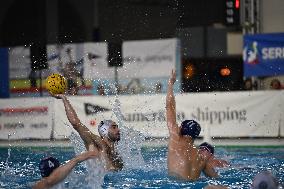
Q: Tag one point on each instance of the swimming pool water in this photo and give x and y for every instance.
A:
(21, 169)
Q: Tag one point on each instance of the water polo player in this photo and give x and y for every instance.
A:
(184, 161)
(103, 144)
(206, 150)
(52, 173)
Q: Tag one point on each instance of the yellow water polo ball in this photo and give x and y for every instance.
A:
(56, 84)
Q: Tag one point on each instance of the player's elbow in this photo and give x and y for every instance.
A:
(213, 175)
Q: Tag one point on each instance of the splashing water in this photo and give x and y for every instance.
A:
(96, 171)
(7, 159)
(77, 143)
(129, 146)
(93, 178)
(245, 162)
(129, 149)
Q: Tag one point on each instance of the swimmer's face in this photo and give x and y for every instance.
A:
(113, 132)
(205, 154)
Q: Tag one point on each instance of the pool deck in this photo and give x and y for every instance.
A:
(154, 142)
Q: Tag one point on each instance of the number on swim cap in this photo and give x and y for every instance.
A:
(50, 164)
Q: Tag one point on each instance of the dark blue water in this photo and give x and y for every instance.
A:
(22, 168)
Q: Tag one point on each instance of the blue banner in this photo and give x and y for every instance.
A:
(4, 73)
(263, 54)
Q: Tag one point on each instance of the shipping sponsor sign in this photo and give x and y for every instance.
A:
(26, 118)
(90, 110)
(236, 114)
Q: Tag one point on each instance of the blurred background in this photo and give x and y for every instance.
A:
(209, 33)
(117, 56)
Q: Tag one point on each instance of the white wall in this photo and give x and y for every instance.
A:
(272, 16)
(234, 43)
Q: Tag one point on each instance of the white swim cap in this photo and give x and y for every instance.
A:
(103, 127)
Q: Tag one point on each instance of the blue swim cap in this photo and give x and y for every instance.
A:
(47, 165)
(190, 128)
(207, 147)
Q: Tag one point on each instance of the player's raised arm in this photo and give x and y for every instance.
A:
(171, 105)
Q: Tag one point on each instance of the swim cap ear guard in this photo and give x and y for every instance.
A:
(103, 127)
(48, 165)
(207, 147)
(190, 128)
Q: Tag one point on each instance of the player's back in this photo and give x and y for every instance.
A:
(183, 159)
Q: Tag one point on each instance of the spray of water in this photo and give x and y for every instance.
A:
(96, 171)
(8, 157)
(77, 143)
(129, 147)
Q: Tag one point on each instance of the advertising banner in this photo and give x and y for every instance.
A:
(148, 59)
(146, 67)
(238, 114)
(96, 62)
(263, 54)
(61, 56)
(89, 60)
(90, 110)
(26, 118)
(82, 63)
(222, 114)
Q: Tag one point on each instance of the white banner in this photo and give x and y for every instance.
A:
(24, 118)
(148, 59)
(234, 114)
(90, 59)
(19, 62)
(222, 114)
(59, 55)
(90, 110)
(96, 64)
(139, 59)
